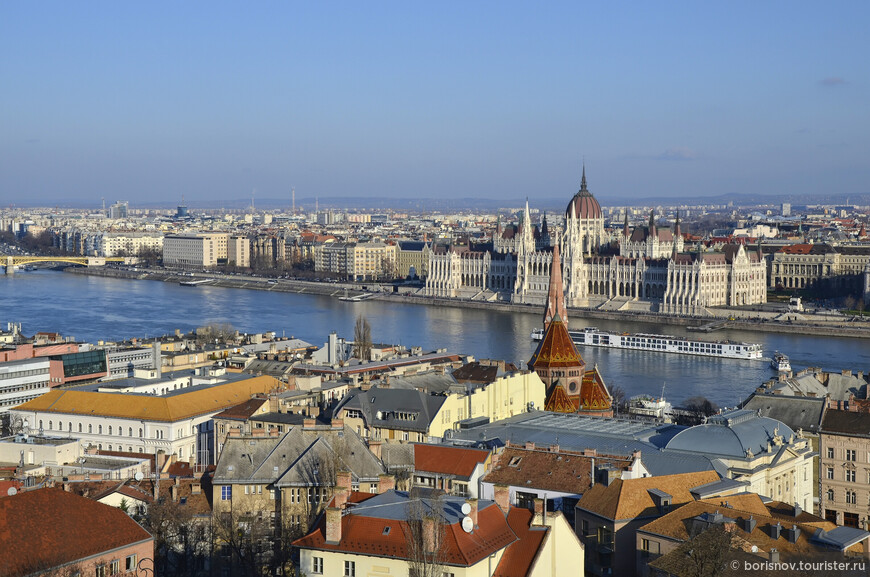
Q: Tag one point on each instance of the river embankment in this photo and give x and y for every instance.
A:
(744, 319)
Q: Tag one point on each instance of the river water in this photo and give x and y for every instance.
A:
(94, 308)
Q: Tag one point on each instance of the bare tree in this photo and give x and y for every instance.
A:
(221, 332)
(362, 339)
(424, 536)
(182, 541)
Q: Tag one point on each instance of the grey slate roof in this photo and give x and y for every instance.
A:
(607, 436)
(796, 412)
(730, 434)
(398, 456)
(380, 407)
(299, 457)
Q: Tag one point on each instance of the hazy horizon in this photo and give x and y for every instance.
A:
(215, 102)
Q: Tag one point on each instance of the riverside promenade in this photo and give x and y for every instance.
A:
(749, 319)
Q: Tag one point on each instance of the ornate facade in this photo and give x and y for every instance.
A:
(646, 268)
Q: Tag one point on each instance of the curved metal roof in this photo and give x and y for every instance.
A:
(731, 434)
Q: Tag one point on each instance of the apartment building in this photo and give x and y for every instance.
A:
(195, 250)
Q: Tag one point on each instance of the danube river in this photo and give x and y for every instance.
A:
(92, 308)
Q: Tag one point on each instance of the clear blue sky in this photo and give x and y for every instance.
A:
(149, 101)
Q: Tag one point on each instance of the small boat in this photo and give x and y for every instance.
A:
(780, 363)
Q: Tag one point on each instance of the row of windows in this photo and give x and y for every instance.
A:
(851, 497)
(848, 454)
(114, 567)
(158, 434)
(848, 475)
(25, 373)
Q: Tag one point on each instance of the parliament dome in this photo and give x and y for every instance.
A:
(584, 205)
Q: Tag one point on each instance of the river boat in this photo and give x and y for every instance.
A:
(195, 282)
(661, 344)
(357, 298)
(648, 406)
(780, 362)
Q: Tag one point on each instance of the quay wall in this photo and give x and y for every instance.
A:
(738, 319)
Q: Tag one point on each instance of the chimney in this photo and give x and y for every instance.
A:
(340, 497)
(775, 530)
(375, 448)
(337, 423)
(333, 525)
(792, 534)
(157, 487)
(530, 446)
(308, 423)
(173, 492)
(554, 448)
(430, 526)
(343, 480)
(749, 524)
(797, 510)
(66, 487)
(773, 555)
(539, 512)
(386, 483)
(473, 513)
(502, 497)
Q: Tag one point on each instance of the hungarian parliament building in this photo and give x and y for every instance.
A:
(647, 268)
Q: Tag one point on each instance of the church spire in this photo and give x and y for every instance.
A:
(583, 180)
(625, 224)
(677, 227)
(652, 224)
(555, 295)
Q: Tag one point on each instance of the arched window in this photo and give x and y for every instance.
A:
(130, 432)
(50, 425)
(70, 426)
(90, 428)
(110, 430)
(110, 447)
(100, 429)
(80, 427)
(40, 423)
(140, 431)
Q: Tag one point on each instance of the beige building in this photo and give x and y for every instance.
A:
(607, 517)
(412, 255)
(399, 414)
(170, 415)
(239, 251)
(763, 454)
(388, 534)
(844, 467)
(286, 480)
(195, 250)
(804, 265)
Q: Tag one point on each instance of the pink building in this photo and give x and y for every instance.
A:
(47, 530)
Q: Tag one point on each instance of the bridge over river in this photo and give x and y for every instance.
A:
(13, 262)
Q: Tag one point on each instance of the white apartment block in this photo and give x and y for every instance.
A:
(21, 381)
(195, 250)
(111, 244)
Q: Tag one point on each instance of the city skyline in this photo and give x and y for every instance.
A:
(494, 101)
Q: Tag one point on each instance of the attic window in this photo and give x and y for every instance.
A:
(515, 461)
(386, 530)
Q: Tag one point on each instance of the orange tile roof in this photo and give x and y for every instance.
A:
(630, 498)
(364, 535)
(676, 524)
(50, 527)
(519, 555)
(556, 349)
(447, 460)
(149, 408)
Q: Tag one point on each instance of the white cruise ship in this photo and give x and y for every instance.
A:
(661, 344)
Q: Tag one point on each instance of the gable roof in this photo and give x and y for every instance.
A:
(448, 460)
(562, 471)
(205, 400)
(630, 498)
(60, 528)
(364, 529)
(382, 407)
(299, 457)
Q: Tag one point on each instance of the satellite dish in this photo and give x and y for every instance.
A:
(139, 476)
(466, 508)
(467, 524)
(11, 491)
